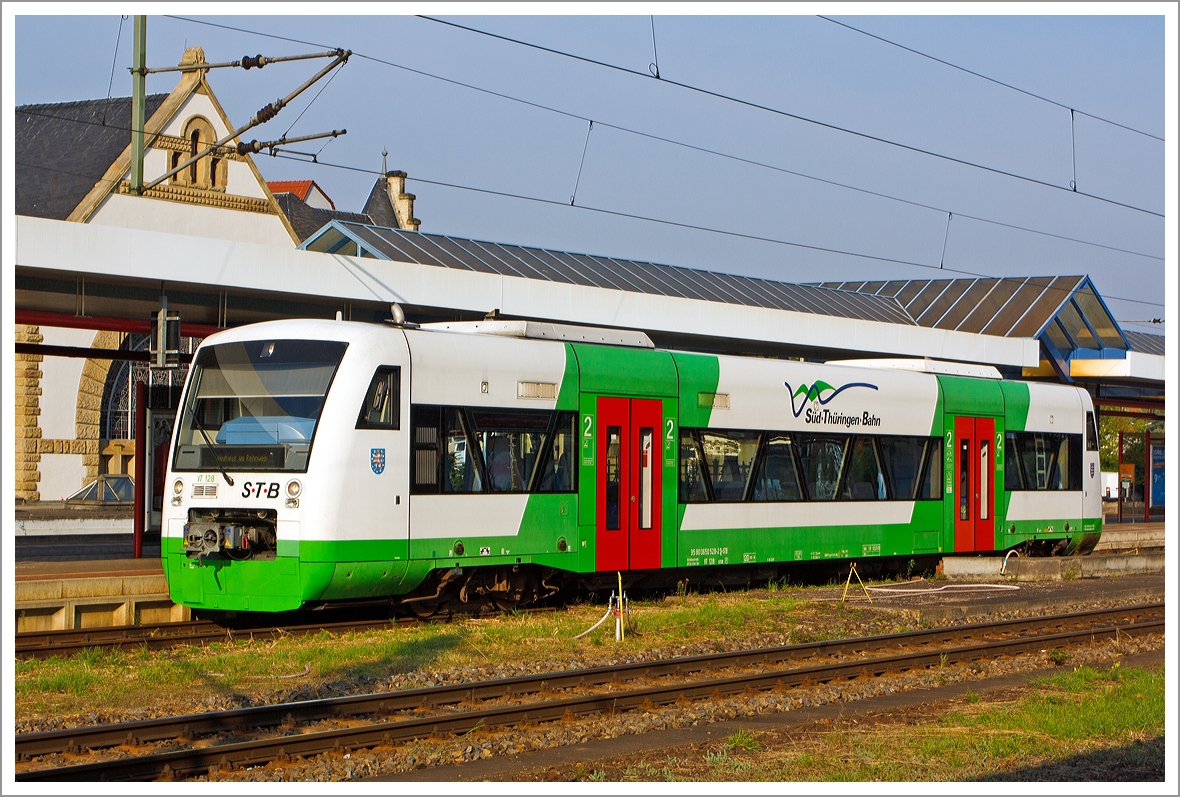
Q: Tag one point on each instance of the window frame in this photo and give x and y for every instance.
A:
(471, 434)
(395, 393)
(931, 447)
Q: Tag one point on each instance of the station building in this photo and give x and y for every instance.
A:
(223, 247)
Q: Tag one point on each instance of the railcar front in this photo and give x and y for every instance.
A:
(288, 480)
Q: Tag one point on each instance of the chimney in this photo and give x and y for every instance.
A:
(403, 203)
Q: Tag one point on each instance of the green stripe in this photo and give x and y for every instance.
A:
(1015, 405)
(699, 373)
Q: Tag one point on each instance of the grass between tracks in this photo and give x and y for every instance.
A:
(184, 679)
(1082, 725)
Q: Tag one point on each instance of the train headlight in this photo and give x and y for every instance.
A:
(294, 488)
(177, 487)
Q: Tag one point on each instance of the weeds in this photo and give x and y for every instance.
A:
(1058, 656)
(742, 739)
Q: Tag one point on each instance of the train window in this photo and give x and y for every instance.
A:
(931, 489)
(424, 463)
(865, 481)
(822, 460)
(1091, 433)
(964, 479)
(382, 406)
(1050, 461)
(511, 442)
(730, 458)
(461, 472)
(777, 478)
(1013, 477)
(902, 458)
(613, 477)
(692, 470)
(558, 473)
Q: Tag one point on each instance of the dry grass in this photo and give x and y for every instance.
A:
(1081, 725)
(244, 671)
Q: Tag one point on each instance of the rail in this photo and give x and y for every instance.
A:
(1016, 638)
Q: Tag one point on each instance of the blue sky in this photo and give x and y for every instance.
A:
(1108, 66)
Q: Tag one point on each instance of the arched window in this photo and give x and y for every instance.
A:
(208, 172)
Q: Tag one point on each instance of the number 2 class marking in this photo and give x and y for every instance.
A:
(671, 426)
(589, 422)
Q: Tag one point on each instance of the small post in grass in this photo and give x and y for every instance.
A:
(852, 572)
(620, 634)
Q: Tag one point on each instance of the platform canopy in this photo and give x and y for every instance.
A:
(1076, 329)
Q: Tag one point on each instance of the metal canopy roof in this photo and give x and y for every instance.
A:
(1145, 342)
(1067, 310)
(383, 243)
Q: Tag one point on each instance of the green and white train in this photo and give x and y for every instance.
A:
(491, 462)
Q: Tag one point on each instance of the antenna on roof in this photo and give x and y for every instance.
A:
(398, 317)
(384, 153)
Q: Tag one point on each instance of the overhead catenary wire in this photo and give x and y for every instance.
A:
(277, 154)
(582, 162)
(798, 117)
(399, 66)
(327, 83)
(115, 57)
(674, 142)
(982, 76)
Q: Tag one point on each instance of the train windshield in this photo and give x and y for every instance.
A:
(254, 406)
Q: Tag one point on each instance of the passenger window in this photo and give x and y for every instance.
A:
(903, 464)
(865, 481)
(692, 471)
(382, 406)
(1013, 478)
(777, 479)
(511, 441)
(822, 459)
(730, 458)
(558, 473)
(1091, 433)
(460, 470)
(932, 483)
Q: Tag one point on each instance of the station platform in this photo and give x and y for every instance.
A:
(66, 595)
(70, 589)
(1118, 537)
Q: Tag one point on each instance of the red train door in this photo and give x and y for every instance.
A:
(975, 489)
(628, 484)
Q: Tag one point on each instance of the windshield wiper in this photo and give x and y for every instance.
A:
(213, 448)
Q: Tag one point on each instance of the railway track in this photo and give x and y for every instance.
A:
(454, 708)
(44, 644)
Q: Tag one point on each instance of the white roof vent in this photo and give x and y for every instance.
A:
(545, 331)
(925, 366)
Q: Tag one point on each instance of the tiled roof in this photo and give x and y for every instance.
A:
(305, 219)
(300, 188)
(297, 187)
(63, 149)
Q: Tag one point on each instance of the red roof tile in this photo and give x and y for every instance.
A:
(300, 188)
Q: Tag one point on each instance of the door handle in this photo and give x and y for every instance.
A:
(632, 499)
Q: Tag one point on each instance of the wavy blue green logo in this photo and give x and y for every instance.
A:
(816, 392)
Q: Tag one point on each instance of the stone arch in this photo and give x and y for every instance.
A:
(88, 415)
(208, 172)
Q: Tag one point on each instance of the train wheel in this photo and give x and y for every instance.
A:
(424, 608)
(505, 603)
